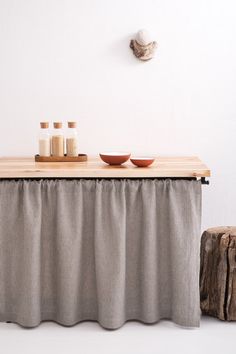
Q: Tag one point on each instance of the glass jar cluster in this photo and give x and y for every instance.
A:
(56, 143)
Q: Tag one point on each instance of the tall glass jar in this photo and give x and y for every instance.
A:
(57, 140)
(44, 140)
(72, 148)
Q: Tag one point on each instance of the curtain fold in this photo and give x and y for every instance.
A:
(103, 250)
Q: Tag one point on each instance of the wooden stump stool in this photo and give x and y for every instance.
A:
(218, 273)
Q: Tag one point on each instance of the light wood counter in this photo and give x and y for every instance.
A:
(17, 167)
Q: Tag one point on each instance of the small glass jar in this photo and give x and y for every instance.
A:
(57, 140)
(44, 140)
(72, 148)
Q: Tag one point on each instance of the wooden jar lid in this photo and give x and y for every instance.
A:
(57, 125)
(44, 125)
(72, 124)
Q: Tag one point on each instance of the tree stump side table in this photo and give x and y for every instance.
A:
(218, 273)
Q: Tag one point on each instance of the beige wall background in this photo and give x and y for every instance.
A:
(70, 60)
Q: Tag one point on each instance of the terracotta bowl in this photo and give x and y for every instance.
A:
(142, 161)
(115, 158)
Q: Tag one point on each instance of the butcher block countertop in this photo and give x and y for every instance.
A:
(24, 167)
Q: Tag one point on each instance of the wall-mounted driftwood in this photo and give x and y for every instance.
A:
(143, 47)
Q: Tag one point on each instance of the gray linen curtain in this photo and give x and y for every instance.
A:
(104, 250)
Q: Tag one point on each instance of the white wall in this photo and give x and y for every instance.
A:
(70, 60)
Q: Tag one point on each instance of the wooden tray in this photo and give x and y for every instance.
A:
(79, 158)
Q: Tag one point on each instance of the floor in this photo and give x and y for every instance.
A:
(164, 337)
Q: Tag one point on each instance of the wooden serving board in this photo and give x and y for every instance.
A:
(65, 158)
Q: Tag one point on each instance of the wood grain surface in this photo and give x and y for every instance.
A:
(26, 167)
(218, 273)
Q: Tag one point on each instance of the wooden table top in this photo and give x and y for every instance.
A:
(26, 167)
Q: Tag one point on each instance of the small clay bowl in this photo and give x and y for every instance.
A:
(142, 161)
(115, 158)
